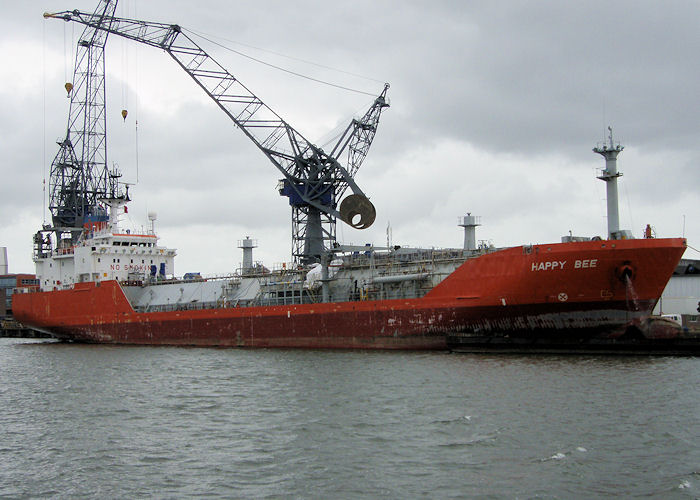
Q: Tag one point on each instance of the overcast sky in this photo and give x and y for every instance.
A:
(495, 107)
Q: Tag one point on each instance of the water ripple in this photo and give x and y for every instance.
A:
(104, 421)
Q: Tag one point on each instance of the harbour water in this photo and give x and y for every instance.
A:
(97, 421)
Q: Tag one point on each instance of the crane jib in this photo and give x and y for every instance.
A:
(286, 148)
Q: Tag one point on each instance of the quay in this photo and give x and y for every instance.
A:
(11, 328)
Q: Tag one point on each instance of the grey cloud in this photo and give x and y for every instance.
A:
(537, 81)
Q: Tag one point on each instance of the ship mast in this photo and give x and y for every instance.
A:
(610, 151)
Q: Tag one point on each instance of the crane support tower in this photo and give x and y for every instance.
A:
(313, 180)
(79, 176)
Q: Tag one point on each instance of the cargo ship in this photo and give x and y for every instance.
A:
(115, 286)
(102, 283)
(371, 298)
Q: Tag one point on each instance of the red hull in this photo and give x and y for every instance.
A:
(560, 289)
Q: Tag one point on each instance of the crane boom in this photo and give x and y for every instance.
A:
(313, 179)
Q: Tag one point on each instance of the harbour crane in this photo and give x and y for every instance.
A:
(79, 176)
(313, 180)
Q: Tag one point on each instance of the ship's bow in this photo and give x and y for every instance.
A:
(563, 292)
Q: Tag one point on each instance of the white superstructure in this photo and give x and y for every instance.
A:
(103, 252)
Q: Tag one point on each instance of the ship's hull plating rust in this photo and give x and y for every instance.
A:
(588, 289)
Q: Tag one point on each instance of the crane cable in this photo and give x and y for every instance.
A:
(200, 35)
(327, 139)
(305, 61)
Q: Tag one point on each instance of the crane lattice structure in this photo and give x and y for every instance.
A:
(313, 180)
(79, 176)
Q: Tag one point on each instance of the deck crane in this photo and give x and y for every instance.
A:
(79, 176)
(313, 180)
